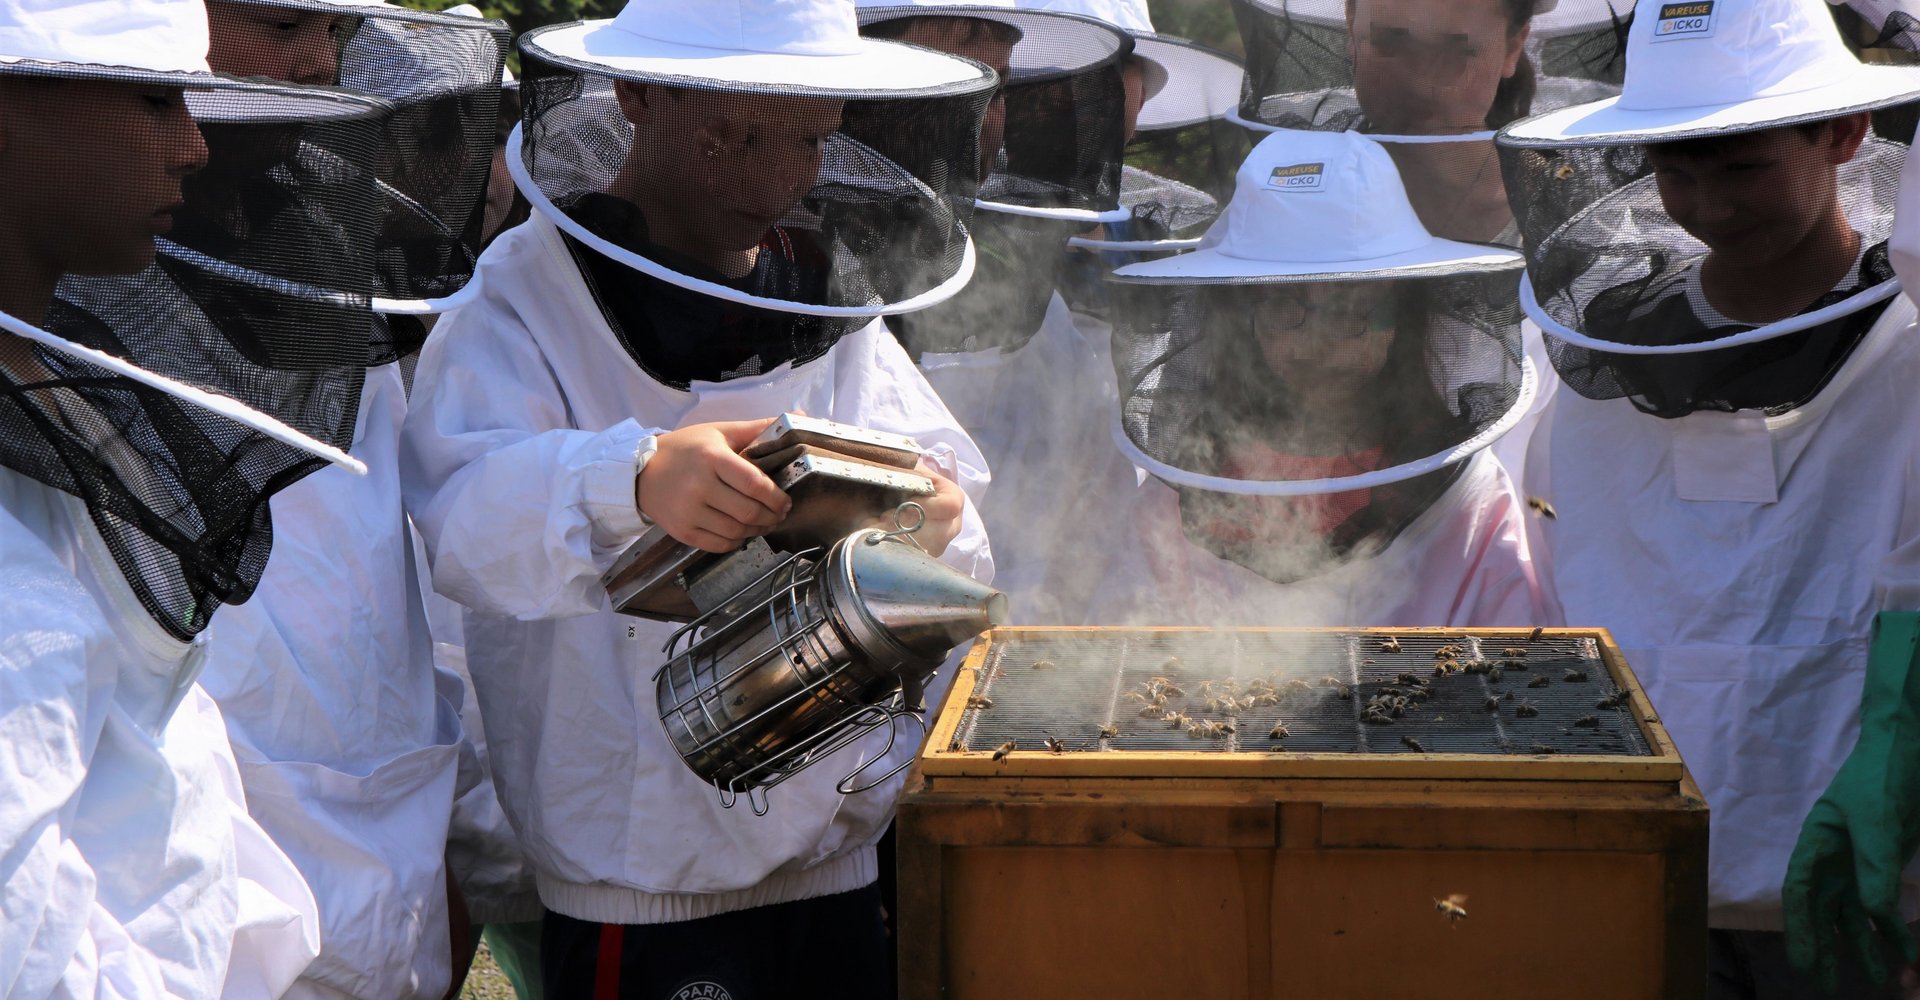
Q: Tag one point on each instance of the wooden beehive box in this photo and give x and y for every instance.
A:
(1148, 862)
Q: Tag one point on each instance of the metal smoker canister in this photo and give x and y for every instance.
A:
(840, 642)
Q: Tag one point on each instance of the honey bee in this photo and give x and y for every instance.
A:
(1495, 674)
(1267, 698)
(979, 701)
(1543, 508)
(1542, 749)
(1419, 695)
(1493, 703)
(1376, 716)
(1412, 744)
(1514, 653)
(1445, 667)
(1454, 907)
(1220, 730)
(1134, 696)
(1152, 712)
(1297, 686)
(1055, 746)
(1197, 731)
(1213, 705)
(1538, 631)
(1172, 664)
(1618, 699)
(1331, 681)
(1043, 664)
(1000, 752)
(1343, 692)
(1178, 720)
(1390, 645)
(1205, 689)
(1448, 652)
(1574, 676)
(1278, 732)
(1587, 722)
(1525, 710)
(1539, 682)
(1171, 690)
(1109, 731)
(1563, 172)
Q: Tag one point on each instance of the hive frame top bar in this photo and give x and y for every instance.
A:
(941, 759)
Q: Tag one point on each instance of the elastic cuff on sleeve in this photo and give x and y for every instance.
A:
(625, 450)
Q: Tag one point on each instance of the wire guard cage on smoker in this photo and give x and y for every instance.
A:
(835, 644)
(260, 291)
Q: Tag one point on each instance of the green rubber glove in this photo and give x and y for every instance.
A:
(1843, 882)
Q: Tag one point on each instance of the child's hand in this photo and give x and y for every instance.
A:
(703, 493)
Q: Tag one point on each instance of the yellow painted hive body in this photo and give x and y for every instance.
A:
(1320, 848)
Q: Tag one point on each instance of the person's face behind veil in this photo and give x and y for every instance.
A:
(1432, 67)
(297, 46)
(94, 173)
(713, 172)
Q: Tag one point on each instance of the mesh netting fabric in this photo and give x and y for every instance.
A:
(258, 289)
(790, 219)
(1611, 263)
(1884, 31)
(442, 74)
(1334, 400)
(1019, 264)
(1416, 68)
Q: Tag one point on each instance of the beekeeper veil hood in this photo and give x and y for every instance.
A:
(179, 352)
(1716, 237)
(1052, 144)
(441, 71)
(759, 164)
(1315, 374)
(1180, 157)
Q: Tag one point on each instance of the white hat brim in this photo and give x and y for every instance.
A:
(1208, 266)
(267, 100)
(1044, 35)
(1606, 123)
(1201, 83)
(875, 68)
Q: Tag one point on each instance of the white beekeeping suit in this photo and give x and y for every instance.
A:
(1732, 447)
(143, 434)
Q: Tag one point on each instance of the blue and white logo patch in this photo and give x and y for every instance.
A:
(1684, 20)
(1298, 177)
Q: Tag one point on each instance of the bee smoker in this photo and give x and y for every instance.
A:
(790, 656)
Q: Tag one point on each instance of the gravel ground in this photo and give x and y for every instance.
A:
(485, 981)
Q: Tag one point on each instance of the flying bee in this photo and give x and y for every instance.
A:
(1574, 676)
(1054, 746)
(1538, 631)
(1454, 907)
(1514, 653)
(1539, 682)
(1278, 732)
(1412, 744)
(1043, 664)
(1389, 645)
(1587, 722)
(1543, 508)
(1109, 731)
(1000, 752)
(979, 701)
(1525, 710)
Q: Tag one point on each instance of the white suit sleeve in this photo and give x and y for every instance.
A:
(55, 940)
(519, 513)
(1896, 582)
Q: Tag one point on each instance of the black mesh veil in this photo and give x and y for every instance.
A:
(257, 288)
(1054, 171)
(442, 74)
(1414, 68)
(1304, 421)
(771, 220)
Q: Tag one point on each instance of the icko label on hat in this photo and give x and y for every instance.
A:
(1299, 177)
(1684, 20)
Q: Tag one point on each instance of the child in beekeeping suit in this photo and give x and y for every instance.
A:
(708, 249)
(1733, 466)
(1313, 392)
(133, 505)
